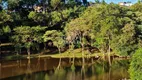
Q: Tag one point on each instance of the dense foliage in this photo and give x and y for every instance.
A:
(135, 66)
(108, 27)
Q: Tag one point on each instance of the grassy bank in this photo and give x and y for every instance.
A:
(77, 53)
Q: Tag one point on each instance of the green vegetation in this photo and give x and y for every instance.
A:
(77, 54)
(135, 66)
(36, 26)
(71, 29)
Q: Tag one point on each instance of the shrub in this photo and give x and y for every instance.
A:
(135, 69)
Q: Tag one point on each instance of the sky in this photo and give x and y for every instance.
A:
(117, 1)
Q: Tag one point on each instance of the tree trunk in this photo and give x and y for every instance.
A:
(72, 47)
(60, 55)
(69, 52)
(83, 60)
(28, 51)
(59, 65)
(109, 54)
(82, 44)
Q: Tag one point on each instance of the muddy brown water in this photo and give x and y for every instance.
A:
(46, 69)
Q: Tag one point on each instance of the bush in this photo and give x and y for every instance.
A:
(135, 69)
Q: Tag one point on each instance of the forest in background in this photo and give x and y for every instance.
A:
(110, 28)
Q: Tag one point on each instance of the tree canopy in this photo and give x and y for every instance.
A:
(104, 26)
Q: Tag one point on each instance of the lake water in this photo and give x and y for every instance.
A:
(46, 69)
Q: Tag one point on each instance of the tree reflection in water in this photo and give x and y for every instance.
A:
(0, 69)
(42, 69)
(28, 75)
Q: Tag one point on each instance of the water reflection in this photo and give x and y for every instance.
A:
(0, 70)
(46, 69)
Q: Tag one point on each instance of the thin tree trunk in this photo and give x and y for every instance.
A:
(60, 54)
(59, 65)
(109, 54)
(83, 60)
(72, 47)
(82, 44)
(28, 51)
(69, 53)
(83, 53)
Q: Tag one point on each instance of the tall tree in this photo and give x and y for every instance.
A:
(26, 36)
(57, 38)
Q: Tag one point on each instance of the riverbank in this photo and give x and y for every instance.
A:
(77, 53)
